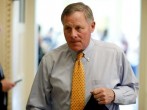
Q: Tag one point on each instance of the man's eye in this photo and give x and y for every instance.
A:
(67, 28)
(78, 28)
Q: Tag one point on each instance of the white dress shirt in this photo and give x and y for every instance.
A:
(105, 66)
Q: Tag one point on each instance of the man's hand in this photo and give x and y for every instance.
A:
(7, 85)
(103, 95)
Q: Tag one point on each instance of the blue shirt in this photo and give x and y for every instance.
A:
(105, 66)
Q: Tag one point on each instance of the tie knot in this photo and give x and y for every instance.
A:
(80, 55)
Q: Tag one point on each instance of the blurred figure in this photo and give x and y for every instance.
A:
(124, 43)
(131, 49)
(40, 49)
(5, 86)
(49, 41)
(133, 54)
(104, 35)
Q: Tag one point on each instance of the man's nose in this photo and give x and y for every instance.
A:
(73, 33)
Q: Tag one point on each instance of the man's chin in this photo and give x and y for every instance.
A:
(76, 49)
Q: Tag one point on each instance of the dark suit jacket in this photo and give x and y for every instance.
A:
(3, 95)
(92, 104)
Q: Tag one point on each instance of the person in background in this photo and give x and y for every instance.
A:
(40, 48)
(5, 86)
(108, 75)
(50, 40)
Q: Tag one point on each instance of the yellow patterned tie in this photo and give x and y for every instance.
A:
(78, 85)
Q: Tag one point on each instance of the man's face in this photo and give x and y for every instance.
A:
(77, 31)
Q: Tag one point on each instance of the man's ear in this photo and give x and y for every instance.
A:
(92, 26)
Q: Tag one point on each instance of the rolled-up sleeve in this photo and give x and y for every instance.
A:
(127, 91)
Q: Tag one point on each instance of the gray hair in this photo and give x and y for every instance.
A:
(81, 7)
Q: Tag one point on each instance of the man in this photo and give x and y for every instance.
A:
(108, 75)
(5, 86)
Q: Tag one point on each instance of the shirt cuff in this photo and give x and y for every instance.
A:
(119, 97)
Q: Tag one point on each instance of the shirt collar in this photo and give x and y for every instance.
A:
(86, 51)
